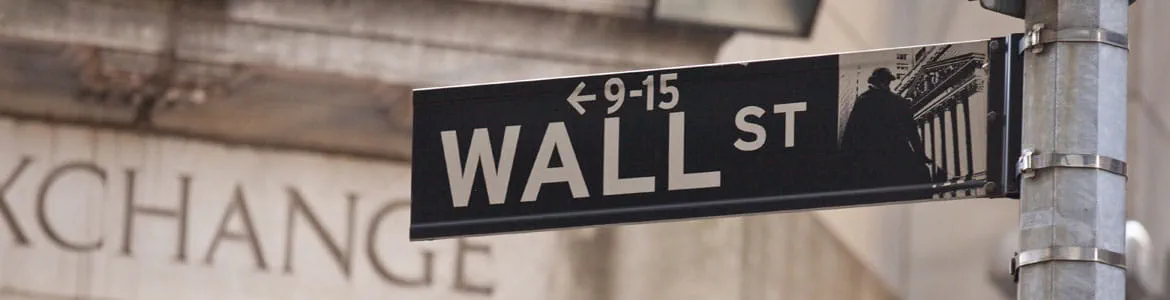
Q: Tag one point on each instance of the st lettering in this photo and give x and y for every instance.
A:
(465, 162)
(759, 134)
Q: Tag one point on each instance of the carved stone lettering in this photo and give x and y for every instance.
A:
(42, 213)
(238, 206)
(402, 267)
(343, 257)
(180, 214)
(9, 217)
(428, 257)
(463, 248)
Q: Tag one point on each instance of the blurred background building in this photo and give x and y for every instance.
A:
(260, 149)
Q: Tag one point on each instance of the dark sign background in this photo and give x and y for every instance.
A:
(809, 175)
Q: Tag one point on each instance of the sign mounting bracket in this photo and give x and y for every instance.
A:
(1083, 254)
(1039, 36)
(1031, 161)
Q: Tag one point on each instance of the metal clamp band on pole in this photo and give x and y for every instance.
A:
(1036, 38)
(1031, 161)
(1083, 254)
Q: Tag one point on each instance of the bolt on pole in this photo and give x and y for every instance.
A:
(1072, 208)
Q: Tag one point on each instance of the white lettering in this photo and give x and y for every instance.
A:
(480, 152)
(789, 110)
(555, 138)
(749, 127)
(678, 179)
(612, 183)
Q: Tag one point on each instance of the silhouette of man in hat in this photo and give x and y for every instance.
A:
(881, 146)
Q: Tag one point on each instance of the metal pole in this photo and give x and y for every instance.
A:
(1072, 209)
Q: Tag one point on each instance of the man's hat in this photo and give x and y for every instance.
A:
(881, 75)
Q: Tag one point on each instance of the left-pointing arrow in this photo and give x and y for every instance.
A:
(576, 98)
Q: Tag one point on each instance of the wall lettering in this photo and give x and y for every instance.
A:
(42, 213)
(343, 257)
(463, 249)
(6, 210)
(238, 206)
(428, 257)
(179, 214)
(236, 223)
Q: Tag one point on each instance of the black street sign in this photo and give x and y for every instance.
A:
(888, 126)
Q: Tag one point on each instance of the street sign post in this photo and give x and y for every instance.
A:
(920, 123)
(1072, 197)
